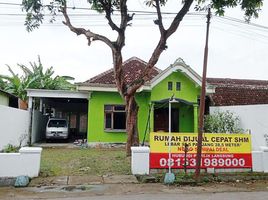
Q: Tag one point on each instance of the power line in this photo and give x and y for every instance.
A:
(84, 8)
(138, 12)
(241, 21)
(76, 16)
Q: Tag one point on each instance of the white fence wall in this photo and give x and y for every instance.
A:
(24, 163)
(14, 124)
(253, 118)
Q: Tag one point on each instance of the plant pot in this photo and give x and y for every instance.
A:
(23, 104)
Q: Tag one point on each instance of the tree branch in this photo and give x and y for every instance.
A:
(89, 34)
(120, 43)
(159, 21)
(176, 21)
(124, 20)
(161, 46)
(107, 6)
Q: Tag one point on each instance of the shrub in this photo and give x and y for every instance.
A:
(9, 148)
(222, 122)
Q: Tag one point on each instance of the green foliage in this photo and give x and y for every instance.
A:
(222, 122)
(151, 3)
(16, 85)
(185, 179)
(36, 10)
(251, 8)
(99, 6)
(3, 84)
(34, 78)
(11, 149)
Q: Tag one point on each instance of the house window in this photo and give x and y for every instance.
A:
(115, 117)
(178, 86)
(170, 85)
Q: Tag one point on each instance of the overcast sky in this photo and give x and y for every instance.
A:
(236, 49)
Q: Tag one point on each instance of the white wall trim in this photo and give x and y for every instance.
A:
(96, 88)
(57, 94)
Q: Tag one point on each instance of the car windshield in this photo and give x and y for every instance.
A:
(57, 123)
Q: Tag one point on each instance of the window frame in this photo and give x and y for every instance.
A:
(170, 86)
(178, 84)
(112, 111)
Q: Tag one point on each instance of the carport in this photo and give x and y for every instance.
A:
(71, 105)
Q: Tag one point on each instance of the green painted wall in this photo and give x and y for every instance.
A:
(189, 92)
(186, 120)
(4, 100)
(143, 100)
(96, 131)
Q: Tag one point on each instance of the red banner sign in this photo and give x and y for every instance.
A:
(178, 161)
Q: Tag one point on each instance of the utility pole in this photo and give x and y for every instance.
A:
(202, 103)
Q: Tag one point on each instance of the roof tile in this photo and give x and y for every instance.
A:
(230, 92)
(132, 68)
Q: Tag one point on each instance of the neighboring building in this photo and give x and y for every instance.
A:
(14, 122)
(106, 110)
(247, 99)
(8, 99)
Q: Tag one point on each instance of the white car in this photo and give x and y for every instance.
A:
(57, 129)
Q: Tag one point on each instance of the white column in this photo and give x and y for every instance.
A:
(30, 103)
(41, 105)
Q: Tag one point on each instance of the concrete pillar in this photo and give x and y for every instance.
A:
(257, 161)
(140, 160)
(195, 118)
(30, 160)
(265, 158)
(30, 103)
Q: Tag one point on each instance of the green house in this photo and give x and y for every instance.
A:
(106, 110)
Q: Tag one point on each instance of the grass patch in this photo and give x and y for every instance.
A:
(71, 162)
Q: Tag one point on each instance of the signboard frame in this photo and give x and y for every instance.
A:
(219, 150)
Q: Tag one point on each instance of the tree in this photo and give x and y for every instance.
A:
(35, 15)
(34, 78)
(2, 84)
(16, 84)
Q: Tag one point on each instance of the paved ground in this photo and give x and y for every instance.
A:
(126, 187)
(168, 196)
(82, 180)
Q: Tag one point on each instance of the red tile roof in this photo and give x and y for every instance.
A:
(132, 68)
(238, 91)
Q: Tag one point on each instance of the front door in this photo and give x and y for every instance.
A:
(161, 119)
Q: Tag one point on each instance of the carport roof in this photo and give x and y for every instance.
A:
(58, 94)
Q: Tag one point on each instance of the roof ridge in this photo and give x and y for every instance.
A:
(239, 79)
(134, 58)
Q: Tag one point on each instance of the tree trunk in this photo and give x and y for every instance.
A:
(131, 123)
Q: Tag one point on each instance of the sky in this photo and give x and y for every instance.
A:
(236, 49)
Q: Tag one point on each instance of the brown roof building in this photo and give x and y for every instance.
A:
(229, 92)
